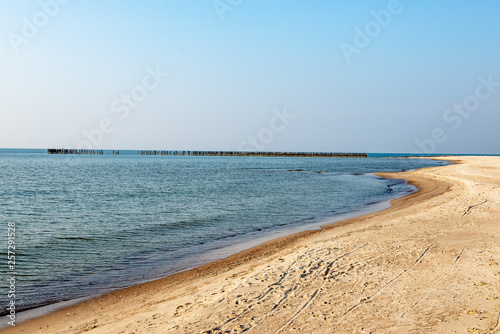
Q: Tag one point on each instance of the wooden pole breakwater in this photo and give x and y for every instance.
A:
(219, 153)
(73, 151)
(256, 154)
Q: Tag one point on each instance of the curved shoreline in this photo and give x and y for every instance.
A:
(226, 251)
(426, 189)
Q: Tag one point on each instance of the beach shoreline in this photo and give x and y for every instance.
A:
(261, 244)
(241, 243)
(96, 315)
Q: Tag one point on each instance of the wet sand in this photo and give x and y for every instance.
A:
(428, 264)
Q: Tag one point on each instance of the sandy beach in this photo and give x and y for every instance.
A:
(428, 264)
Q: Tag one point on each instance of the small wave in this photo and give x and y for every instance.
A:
(75, 238)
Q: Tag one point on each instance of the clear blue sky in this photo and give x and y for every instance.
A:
(68, 66)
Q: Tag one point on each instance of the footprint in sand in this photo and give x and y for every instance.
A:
(480, 283)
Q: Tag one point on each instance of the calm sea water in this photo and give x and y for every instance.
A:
(88, 224)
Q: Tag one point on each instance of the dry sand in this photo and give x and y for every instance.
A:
(429, 264)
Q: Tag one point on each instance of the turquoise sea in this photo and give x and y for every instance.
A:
(88, 224)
